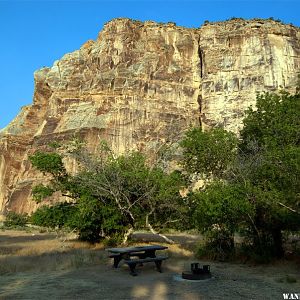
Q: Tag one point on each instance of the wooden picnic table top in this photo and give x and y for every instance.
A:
(136, 249)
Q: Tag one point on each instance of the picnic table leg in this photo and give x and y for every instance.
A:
(132, 269)
(117, 259)
(158, 265)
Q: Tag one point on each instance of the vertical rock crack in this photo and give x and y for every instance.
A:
(199, 99)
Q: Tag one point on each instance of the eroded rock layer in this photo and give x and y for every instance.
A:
(139, 84)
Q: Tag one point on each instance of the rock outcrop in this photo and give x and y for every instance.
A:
(140, 84)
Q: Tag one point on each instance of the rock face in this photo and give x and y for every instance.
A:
(140, 84)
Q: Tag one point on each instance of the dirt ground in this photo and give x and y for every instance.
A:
(49, 266)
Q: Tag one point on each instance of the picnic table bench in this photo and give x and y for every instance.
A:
(138, 255)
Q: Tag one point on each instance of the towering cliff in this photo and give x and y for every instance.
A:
(140, 83)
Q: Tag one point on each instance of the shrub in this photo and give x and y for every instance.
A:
(54, 216)
(92, 220)
(113, 241)
(14, 219)
(95, 221)
(218, 245)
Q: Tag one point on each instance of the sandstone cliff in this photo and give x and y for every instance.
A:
(140, 83)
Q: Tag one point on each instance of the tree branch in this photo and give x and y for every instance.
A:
(155, 232)
(289, 208)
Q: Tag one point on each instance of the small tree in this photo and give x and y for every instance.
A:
(220, 211)
(211, 155)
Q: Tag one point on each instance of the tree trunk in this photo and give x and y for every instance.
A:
(127, 235)
(160, 234)
(155, 232)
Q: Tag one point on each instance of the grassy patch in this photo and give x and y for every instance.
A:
(33, 252)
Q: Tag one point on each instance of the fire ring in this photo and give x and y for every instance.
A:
(197, 273)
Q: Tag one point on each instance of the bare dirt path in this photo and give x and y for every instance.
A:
(44, 266)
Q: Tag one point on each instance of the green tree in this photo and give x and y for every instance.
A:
(41, 191)
(220, 211)
(145, 196)
(113, 195)
(208, 152)
(273, 124)
(216, 212)
(48, 163)
(265, 168)
(270, 147)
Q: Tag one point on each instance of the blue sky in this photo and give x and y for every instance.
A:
(36, 33)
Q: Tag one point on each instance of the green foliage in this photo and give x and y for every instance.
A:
(114, 240)
(15, 220)
(259, 194)
(220, 210)
(133, 189)
(276, 20)
(220, 207)
(115, 194)
(219, 245)
(54, 145)
(40, 192)
(208, 152)
(270, 141)
(48, 163)
(55, 216)
(94, 221)
(235, 19)
(274, 124)
(88, 217)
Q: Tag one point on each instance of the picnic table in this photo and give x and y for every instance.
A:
(137, 255)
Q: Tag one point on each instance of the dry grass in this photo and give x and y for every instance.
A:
(23, 251)
(59, 267)
(33, 251)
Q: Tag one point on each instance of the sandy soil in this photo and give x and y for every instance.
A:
(47, 266)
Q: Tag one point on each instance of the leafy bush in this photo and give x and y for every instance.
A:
(220, 205)
(88, 217)
(220, 210)
(14, 220)
(95, 221)
(219, 245)
(114, 240)
(58, 215)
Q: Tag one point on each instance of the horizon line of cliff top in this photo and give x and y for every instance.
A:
(205, 23)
